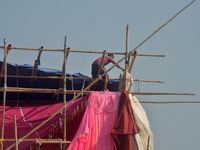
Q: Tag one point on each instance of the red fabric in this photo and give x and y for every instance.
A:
(9, 48)
(28, 118)
(125, 125)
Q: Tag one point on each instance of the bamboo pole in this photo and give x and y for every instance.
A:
(63, 68)
(167, 102)
(81, 78)
(4, 89)
(81, 51)
(161, 27)
(159, 93)
(126, 59)
(34, 140)
(16, 142)
(11, 89)
(132, 62)
(103, 74)
(34, 72)
(64, 90)
(137, 80)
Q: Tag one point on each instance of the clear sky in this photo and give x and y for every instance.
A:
(101, 25)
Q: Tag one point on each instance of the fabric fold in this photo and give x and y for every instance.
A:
(125, 125)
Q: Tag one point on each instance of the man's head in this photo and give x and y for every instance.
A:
(111, 55)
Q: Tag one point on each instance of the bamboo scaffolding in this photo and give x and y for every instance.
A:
(4, 90)
(100, 76)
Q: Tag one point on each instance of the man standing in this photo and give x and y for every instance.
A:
(96, 64)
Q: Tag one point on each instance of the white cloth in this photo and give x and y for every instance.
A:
(122, 82)
(144, 138)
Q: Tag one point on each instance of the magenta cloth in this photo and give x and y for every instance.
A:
(30, 117)
(97, 122)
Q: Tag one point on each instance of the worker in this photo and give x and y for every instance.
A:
(96, 64)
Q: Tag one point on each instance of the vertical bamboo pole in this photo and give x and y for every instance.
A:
(62, 74)
(4, 92)
(64, 91)
(126, 61)
(16, 144)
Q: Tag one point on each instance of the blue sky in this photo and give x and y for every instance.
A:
(101, 25)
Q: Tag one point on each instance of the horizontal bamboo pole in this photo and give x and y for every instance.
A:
(159, 93)
(39, 90)
(80, 51)
(87, 78)
(34, 140)
(167, 102)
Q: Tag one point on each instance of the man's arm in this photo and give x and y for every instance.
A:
(118, 65)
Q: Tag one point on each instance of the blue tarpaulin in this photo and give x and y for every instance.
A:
(26, 70)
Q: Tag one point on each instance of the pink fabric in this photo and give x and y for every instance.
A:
(28, 118)
(97, 123)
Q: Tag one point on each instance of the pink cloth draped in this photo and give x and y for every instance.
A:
(28, 118)
(97, 123)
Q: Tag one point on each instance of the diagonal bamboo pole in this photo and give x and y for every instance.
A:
(104, 74)
(132, 62)
(34, 72)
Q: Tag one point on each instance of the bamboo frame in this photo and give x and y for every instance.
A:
(33, 130)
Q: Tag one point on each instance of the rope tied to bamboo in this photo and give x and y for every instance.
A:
(20, 140)
(60, 141)
(5, 87)
(39, 141)
(1, 141)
